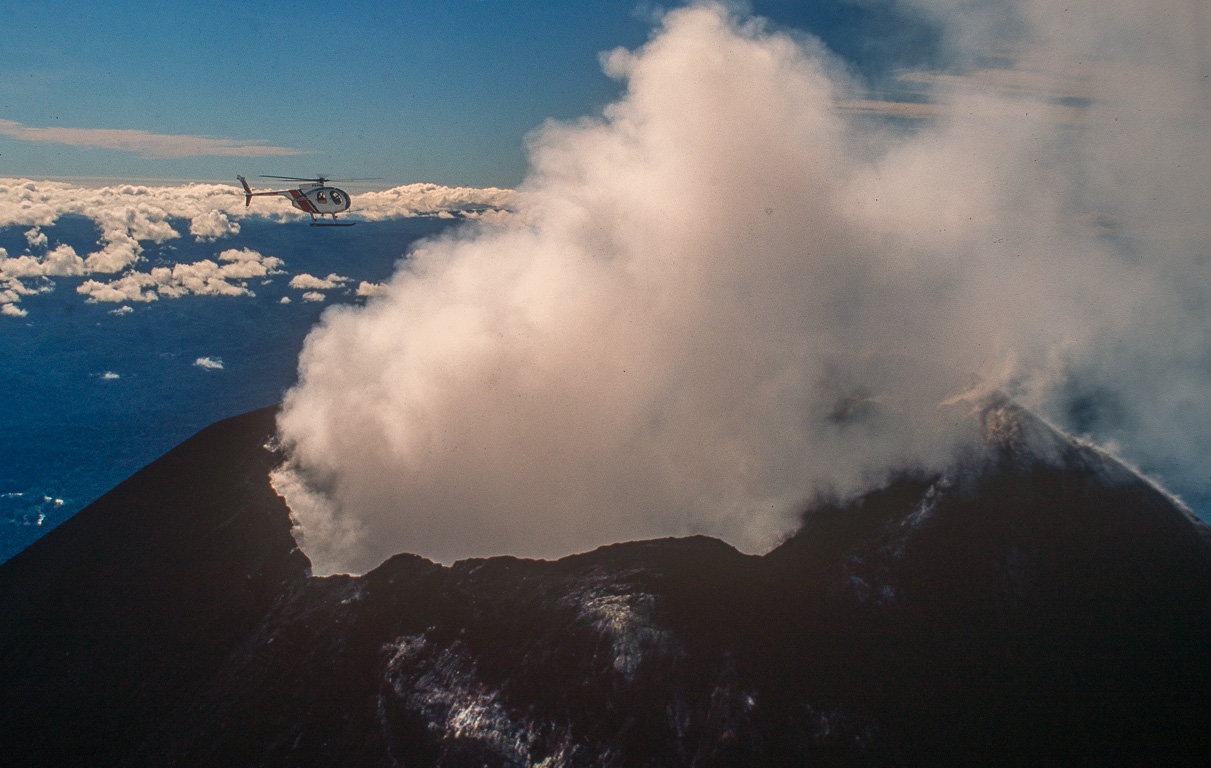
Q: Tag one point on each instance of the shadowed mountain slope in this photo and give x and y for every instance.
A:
(1043, 605)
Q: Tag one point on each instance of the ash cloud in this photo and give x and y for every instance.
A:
(751, 281)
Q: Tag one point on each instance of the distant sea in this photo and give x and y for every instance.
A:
(94, 391)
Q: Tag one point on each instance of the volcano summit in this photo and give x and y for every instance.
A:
(1045, 606)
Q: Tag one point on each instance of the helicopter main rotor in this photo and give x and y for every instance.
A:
(321, 180)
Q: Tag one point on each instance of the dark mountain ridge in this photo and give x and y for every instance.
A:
(1043, 605)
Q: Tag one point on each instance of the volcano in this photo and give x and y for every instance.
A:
(1041, 604)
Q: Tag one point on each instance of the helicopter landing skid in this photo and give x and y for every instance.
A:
(333, 223)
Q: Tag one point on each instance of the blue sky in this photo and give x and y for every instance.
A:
(440, 91)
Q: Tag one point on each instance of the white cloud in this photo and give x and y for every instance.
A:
(212, 225)
(209, 363)
(12, 288)
(110, 376)
(200, 278)
(365, 288)
(730, 293)
(313, 296)
(61, 261)
(130, 287)
(246, 263)
(36, 238)
(150, 145)
(307, 282)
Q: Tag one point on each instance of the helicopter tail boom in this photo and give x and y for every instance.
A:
(249, 194)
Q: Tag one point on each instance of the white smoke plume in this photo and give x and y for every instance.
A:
(746, 284)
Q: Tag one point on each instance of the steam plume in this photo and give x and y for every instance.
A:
(737, 289)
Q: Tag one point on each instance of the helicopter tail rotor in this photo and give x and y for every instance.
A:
(247, 191)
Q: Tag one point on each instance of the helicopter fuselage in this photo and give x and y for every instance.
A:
(317, 199)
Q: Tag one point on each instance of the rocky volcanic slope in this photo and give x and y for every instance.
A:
(1050, 611)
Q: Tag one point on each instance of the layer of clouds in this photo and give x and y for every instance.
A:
(145, 143)
(433, 200)
(131, 214)
(737, 289)
(141, 211)
(125, 214)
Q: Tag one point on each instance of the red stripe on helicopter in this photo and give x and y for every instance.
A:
(301, 200)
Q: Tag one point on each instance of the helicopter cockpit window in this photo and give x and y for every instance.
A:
(336, 198)
(320, 197)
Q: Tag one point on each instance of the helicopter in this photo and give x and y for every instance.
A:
(314, 197)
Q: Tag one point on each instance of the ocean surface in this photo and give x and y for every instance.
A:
(93, 391)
